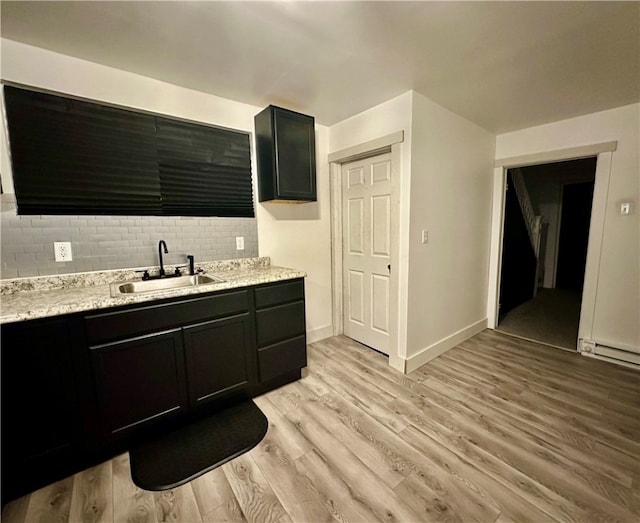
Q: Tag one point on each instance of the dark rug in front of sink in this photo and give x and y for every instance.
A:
(179, 456)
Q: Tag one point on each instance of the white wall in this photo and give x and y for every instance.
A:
(37, 67)
(616, 316)
(384, 119)
(297, 238)
(451, 190)
(445, 187)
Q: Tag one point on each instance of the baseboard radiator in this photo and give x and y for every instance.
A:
(624, 357)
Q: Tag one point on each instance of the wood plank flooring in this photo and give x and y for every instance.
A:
(495, 430)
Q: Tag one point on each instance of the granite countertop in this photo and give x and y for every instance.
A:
(44, 296)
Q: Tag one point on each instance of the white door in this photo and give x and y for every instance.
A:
(367, 237)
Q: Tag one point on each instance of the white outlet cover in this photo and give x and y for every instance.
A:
(62, 251)
(240, 243)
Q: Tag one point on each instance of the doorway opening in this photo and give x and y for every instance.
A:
(546, 231)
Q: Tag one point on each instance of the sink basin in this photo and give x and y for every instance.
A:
(177, 282)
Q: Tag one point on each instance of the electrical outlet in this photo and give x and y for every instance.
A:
(425, 236)
(62, 251)
(239, 243)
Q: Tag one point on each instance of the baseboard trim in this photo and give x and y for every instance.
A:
(614, 361)
(442, 346)
(319, 333)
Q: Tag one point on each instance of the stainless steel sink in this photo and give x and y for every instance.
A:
(177, 282)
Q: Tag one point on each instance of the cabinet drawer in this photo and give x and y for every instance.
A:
(279, 323)
(123, 324)
(279, 293)
(282, 357)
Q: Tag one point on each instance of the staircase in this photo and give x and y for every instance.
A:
(533, 222)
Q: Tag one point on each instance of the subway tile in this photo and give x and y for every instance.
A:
(23, 272)
(26, 258)
(33, 247)
(9, 272)
(124, 241)
(55, 222)
(78, 222)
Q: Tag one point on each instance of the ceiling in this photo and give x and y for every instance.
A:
(503, 65)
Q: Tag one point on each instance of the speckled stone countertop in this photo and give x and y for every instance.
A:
(44, 296)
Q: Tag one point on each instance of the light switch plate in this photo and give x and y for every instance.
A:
(62, 251)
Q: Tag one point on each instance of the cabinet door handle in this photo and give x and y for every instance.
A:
(389, 268)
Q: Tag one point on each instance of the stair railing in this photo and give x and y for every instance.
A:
(533, 222)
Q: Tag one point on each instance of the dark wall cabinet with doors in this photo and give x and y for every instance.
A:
(78, 388)
(285, 145)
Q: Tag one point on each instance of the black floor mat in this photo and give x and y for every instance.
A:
(184, 454)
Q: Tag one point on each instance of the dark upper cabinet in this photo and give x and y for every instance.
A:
(285, 142)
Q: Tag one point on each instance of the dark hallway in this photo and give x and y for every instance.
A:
(540, 297)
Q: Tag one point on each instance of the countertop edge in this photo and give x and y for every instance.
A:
(28, 305)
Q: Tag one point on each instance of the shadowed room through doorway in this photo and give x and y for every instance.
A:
(545, 240)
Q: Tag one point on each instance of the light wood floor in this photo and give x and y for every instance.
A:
(497, 429)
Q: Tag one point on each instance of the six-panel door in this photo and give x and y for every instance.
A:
(367, 237)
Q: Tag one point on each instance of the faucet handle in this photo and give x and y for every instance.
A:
(145, 273)
(177, 270)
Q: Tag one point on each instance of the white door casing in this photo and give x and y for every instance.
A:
(367, 206)
(604, 152)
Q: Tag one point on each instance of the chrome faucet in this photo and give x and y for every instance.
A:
(162, 244)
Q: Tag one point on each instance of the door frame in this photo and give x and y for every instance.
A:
(604, 153)
(390, 143)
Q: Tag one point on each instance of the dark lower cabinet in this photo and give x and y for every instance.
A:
(280, 330)
(41, 415)
(139, 380)
(218, 358)
(79, 388)
(282, 358)
(149, 380)
(280, 323)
